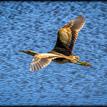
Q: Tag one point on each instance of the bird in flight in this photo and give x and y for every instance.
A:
(63, 49)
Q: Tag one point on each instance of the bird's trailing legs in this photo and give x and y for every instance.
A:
(76, 60)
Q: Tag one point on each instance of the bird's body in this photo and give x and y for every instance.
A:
(62, 52)
(65, 58)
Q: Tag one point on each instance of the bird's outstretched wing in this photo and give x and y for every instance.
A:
(77, 26)
(67, 35)
(40, 61)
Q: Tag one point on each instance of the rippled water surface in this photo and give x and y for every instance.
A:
(34, 25)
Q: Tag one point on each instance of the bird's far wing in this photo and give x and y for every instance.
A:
(77, 26)
(39, 63)
(61, 45)
(78, 23)
(67, 35)
(62, 37)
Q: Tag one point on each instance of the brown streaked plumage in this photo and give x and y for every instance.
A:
(62, 51)
(42, 60)
(67, 36)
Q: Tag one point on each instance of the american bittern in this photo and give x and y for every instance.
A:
(62, 52)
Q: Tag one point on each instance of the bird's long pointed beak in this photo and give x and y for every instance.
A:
(22, 51)
(30, 52)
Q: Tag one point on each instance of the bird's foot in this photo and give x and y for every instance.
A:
(84, 63)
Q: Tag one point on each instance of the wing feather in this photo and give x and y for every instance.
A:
(68, 34)
(78, 24)
(39, 63)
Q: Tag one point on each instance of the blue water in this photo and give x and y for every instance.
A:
(34, 25)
